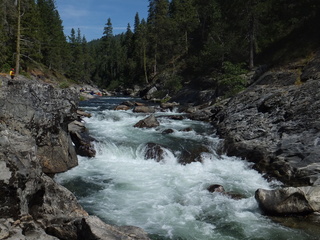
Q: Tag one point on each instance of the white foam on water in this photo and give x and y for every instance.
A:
(166, 198)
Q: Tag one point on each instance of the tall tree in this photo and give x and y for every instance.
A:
(184, 15)
(53, 41)
(159, 32)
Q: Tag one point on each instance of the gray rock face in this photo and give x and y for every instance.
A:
(34, 140)
(41, 112)
(277, 128)
(284, 201)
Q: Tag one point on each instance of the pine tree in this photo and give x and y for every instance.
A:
(53, 41)
(30, 37)
(140, 49)
(159, 32)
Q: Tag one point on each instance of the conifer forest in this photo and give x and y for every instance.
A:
(179, 43)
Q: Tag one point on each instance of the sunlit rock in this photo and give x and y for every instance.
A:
(148, 122)
(144, 109)
(290, 200)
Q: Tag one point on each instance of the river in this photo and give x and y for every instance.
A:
(167, 199)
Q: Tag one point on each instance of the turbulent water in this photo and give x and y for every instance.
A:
(167, 199)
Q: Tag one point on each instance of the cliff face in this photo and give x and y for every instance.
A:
(42, 113)
(275, 124)
(34, 142)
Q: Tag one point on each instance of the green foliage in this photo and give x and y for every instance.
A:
(26, 74)
(232, 79)
(181, 38)
(174, 84)
(64, 84)
(6, 68)
(114, 85)
(82, 98)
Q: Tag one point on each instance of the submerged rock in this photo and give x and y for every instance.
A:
(154, 151)
(220, 189)
(192, 154)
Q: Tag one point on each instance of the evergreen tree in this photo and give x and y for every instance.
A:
(140, 50)
(53, 41)
(184, 15)
(5, 46)
(30, 34)
(159, 32)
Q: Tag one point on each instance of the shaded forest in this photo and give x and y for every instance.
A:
(204, 43)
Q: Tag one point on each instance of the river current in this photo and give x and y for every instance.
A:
(167, 199)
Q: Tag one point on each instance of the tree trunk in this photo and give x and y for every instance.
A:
(18, 41)
(145, 64)
(251, 44)
(186, 41)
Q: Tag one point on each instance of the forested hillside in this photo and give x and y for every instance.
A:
(180, 42)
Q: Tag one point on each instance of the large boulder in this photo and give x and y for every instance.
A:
(42, 112)
(290, 200)
(148, 122)
(81, 139)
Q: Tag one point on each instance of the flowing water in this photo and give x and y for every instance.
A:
(168, 200)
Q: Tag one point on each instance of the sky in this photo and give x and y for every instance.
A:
(90, 16)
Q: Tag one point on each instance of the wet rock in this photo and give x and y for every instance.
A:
(128, 103)
(290, 200)
(192, 154)
(81, 139)
(220, 189)
(94, 228)
(154, 151)
(216, 188)
(188, 129)
(144, 109)
(148, 122)
(169, 105)
(122, 107)
(83, 114)
(168, 131)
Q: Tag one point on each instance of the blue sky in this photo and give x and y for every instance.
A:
(92, 15)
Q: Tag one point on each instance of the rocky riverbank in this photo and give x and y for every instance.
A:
(34, 144)
(275, 125)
